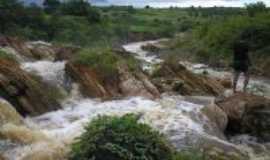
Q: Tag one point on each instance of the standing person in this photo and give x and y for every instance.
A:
(241, 63)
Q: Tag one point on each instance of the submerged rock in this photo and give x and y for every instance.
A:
(27, 94)
(247, 114)
(176, 78)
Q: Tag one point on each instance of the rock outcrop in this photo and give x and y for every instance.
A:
(37, 50)
(248, 114)
(218, 119)
(176, 78)
(26, 93)
(8, 114)
(29, 50)
(124, 83)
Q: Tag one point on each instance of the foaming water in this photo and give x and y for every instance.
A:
(182, 122)
(136, 49)
(51, 72)
(167, 115)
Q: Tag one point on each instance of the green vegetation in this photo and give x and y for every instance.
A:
(123, 138)
(77, 22)
(113, 138)
(4, 55)
(212, 41)
(205, 33)
(105, 60)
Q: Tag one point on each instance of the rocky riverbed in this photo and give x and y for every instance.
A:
(190, 119)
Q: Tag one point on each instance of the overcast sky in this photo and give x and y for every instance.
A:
(168, 3)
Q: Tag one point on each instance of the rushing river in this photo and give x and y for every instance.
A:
(182, 121)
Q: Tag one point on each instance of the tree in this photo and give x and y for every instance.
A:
(10, 12)
(81, 8)
(76, 7)
(51, 6)
(255, 8)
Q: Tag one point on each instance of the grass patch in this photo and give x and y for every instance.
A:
(105, 60)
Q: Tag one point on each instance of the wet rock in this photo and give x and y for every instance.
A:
(8, 114)
(176, 78)
(30, 50)
(37, 50)
(151, 47)
(123, 83)
(66, 52)
(27, 94)
(2, 157)
(247, 114)
(135, 84)
(226, 82)
(21, 134)
(218, 119)
(41, 50)
(90, 82)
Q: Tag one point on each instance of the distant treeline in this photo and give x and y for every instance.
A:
(77, 22)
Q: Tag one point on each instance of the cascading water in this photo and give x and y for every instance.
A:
(184, 123)
(51, 72)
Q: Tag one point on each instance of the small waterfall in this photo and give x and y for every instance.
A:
(148, 60)
(50, 72)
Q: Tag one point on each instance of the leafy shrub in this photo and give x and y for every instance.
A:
(114, 138)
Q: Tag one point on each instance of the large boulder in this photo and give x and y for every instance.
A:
(247, 114)
(176, 78)
(26, 93)
(123, 83)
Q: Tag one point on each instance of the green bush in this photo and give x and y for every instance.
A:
(120, 138)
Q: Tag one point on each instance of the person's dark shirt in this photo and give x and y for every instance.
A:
(241, 54)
